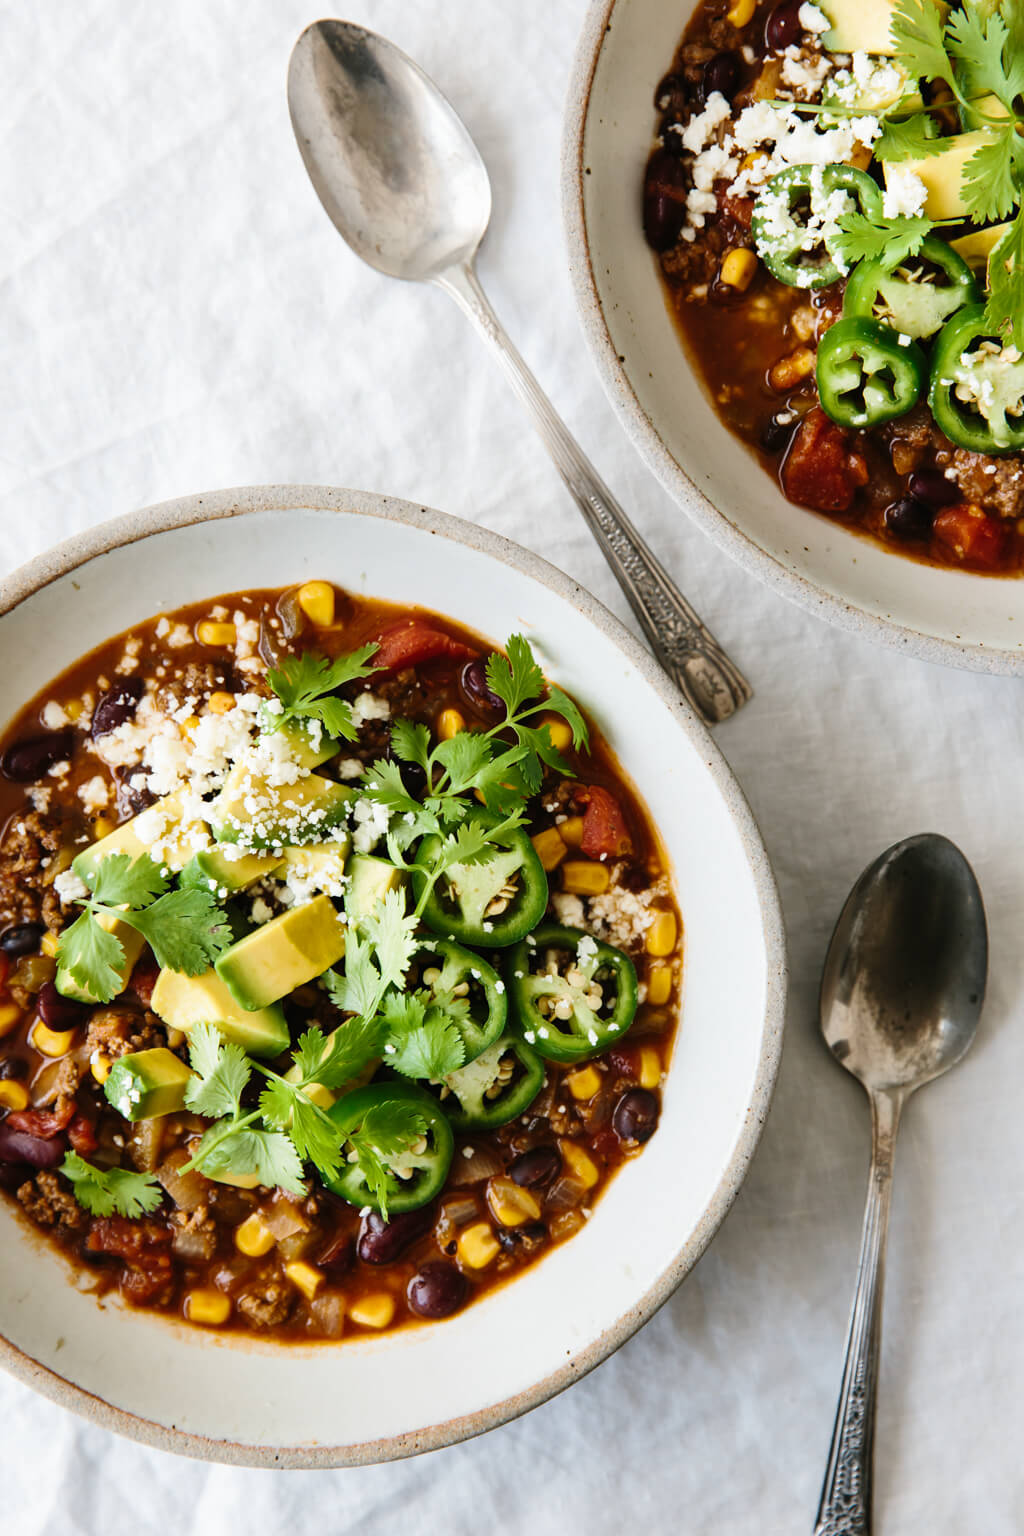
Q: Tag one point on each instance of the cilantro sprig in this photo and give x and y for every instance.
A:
(306, 689)
(111, 1191)
(185, 928)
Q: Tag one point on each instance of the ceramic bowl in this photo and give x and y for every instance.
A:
(942, 615)
(232, 1399)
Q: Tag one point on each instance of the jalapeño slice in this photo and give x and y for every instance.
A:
(492, 904)
(794, 212)
(413, 1177)
(573, 995)
(470, 991)
(495, 1088)
(915, 295)
(866, 374)
(977, 386)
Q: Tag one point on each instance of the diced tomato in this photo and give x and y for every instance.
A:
(82, 1135)
(606, 1144)
(413, 642)
(128, 1240)
(970, 535)
(41, 1122)
(822, 470)
(622, 1059)
(143, 977)
(605, 833)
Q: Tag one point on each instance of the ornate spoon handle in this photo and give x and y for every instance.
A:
(684, 645)
(845, 1508)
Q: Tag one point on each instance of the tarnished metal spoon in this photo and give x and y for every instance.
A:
(901, 993)
(405, 186)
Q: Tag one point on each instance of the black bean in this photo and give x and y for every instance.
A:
(22, 939)
(635, 1117)
(29, 759)
(117, 705)
(474, 686)
(775, 434)
(338, 1255)
(415, 779)
(132, 798)
(382, 1242)
(13, 1066)
(932, 487)
(721, 73)
(436, 1290)
(37, 1151)
(783, 27)
(58, 1012)
(526, 1239)
(908, 519)
(534, 1169)
(671, 95)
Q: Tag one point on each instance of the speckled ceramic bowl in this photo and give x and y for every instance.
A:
(942, 615)
(232, 1399)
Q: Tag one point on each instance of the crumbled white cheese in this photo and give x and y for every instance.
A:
(53, 715)
(812, 19)
(69, 888)
(368, 706)
(905, 193)
(349, 768)
(369, 824)
(622, 916)
(568, 909)
(94, 793)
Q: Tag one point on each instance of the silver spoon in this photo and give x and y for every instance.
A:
(901, 993)
(405, 186)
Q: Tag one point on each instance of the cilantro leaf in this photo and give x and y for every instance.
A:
(121, 880)
(185, 929)
(306, 685)
(411, 742)
(560, 703)
(988, 181)
(389, 1131)
(110, 1191)
(864, 236)
(268, 1155)
(223, 1071)
(92, 957)
(424, 1041)
(1004, 311)
(916, 31)
(313, 1134)
(987, 66)
(347, 1052)
(392, 932)
(516, 679)
(912, 139)
(464, 757)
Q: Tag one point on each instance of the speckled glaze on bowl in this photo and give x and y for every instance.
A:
(251, 1403)
(939, 614)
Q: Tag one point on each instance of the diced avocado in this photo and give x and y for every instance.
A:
(146, 1084)
(213, 870)
(974, 113)
(323, 1097)
(976, 247)
(301, 734)
(185, 1001)
(132, 943)
(942, 173)
(369, 880)
(284, 954)
(262, 815)
(859, 26)
(159, 822)
(876, 91)
(322, 863)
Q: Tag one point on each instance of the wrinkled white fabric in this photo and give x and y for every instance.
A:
(176, 314)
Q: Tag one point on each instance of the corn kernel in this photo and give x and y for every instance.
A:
(49, 944)
(449, 723)
(374, 1311)
(510, 1204)
(584, 1083)
(307, 1279)
(559, 730)
(253, 1237)
(659, 985)
(223, 636)
(51, 1042)
(649, 1070)
(208, 1306)
(581, 1167)
(478, 1245)
(740, 12)
(583, 878)
(10, 1018)
(188, 727)
(12, 1095)
(750, 160)
(571, 831)
(661, 935)
(102, 827)
(220, 703)
(738, 268)
(99, 1066)
(549, 848)
(860, 156)
(792, 370)
(73, 709)
(316, 599)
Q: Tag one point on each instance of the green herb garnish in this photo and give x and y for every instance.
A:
(306, 685)
(111, 1191)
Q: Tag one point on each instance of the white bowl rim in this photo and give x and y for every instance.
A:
(238, 502)
(648, 441)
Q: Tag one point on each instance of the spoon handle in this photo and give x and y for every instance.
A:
(845, 1507)
(683, 644)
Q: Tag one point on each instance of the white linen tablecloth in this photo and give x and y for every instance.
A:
(176, 314)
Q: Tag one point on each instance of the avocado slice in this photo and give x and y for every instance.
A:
(161, 820)
(146, 1084)
(977, 247)
(132, 943)
(300, 743)
(211, 869)
(262, 815)
(324, 863)
(184, 1001)
(324, 1097)
(284, 954)
(859, 26)
(942, 173)
(369, 880)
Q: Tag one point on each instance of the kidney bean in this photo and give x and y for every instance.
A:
(664, 207)
(775, 434)
(672, 94)
(671, 141)
(436, 1290)
(338, 1255)
(722, 73)
(58, 1012)
(475, 686)
(932, 487)
(132, 798)
(534, 1169)
(783, 27)
(908, 519)
(382, 1242)
(29, 759)
(37, 1151)
(117, 705)
(22, 939)
(635, 1117)
(13, 1066)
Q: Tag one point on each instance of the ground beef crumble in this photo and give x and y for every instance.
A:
(48, 1204)
(27, 849)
